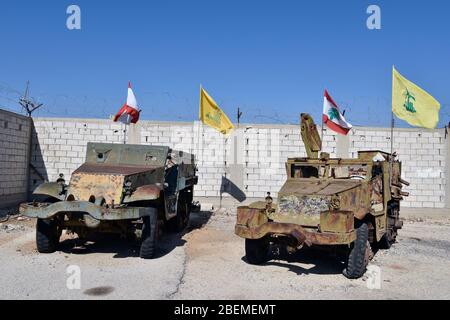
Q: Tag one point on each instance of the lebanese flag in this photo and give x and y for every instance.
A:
(129, 113)
(332, 116)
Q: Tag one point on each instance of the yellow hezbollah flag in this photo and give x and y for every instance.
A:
(413, 104)
(212, 115)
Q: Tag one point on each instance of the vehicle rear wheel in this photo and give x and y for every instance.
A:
(257, 250)
(47, 236)
(149, 237)
(393, 224)
(181, 220)
(359, 255)
(387, 240)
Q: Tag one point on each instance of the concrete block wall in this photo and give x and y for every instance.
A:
(424, 160)
(257, 154)
(250, 162)
(265, 152)
(59, 145)
(14, 156)
(211, 150)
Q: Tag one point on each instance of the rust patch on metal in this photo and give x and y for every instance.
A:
(301, 235)
(147, 192)
(251, 217)
(337, 221)
(83, 186)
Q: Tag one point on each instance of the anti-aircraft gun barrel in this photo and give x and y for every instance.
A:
(310, 136)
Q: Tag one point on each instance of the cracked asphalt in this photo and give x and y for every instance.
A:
(207, 262)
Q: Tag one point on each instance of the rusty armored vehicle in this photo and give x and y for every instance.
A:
(131, 190)
(349, 206)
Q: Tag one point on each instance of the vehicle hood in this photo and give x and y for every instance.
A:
(305, 187)
(102, 181)
(301, 201)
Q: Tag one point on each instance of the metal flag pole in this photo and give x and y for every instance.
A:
(321, 129)
(391, 158)
(392, 132)
(200, 125)
(125, 134)
(224, 174)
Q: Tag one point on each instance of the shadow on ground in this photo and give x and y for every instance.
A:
(319, 261)
(124, 248)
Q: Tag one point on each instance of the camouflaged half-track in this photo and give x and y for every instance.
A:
(349, 205)
(127, 189)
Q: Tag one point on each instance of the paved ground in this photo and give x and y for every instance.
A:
(207, 263)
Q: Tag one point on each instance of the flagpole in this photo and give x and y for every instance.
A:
(392, 131)
(222, 187)
(321, 138)
(125, 134)
(392, 134)
(391, 158)
(200, 124)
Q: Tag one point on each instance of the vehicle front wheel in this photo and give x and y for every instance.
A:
(257, 250)
(359, 255)
(149, 237)
(47, 236)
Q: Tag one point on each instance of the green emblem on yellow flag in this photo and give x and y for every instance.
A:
(409, 102)
(212, 115)
(413, 104)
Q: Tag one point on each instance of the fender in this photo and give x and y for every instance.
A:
(144, 193)
(51, 189)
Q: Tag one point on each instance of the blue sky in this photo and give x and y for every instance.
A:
(273, 59)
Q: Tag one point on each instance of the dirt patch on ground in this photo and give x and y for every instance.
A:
(13, 228)
(6, 238)
(205, 242)
(396, 267)
(28, 248)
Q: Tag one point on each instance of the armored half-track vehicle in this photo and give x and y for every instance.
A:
(349, 206)
(131, 190)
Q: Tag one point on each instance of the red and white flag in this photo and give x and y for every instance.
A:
(332, 117)
(129, 113)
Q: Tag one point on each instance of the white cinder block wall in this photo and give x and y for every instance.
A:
(14, 153)
(59, 145)
(424, 160)
(252, 158)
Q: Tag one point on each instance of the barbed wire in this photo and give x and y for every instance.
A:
(155, 104)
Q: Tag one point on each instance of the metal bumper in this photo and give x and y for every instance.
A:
(300, 234)
(49, 210)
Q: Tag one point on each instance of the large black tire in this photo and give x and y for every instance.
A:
(47, 236)
(358, 257)
(181, 220)
(257, 250)
(149, 238)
